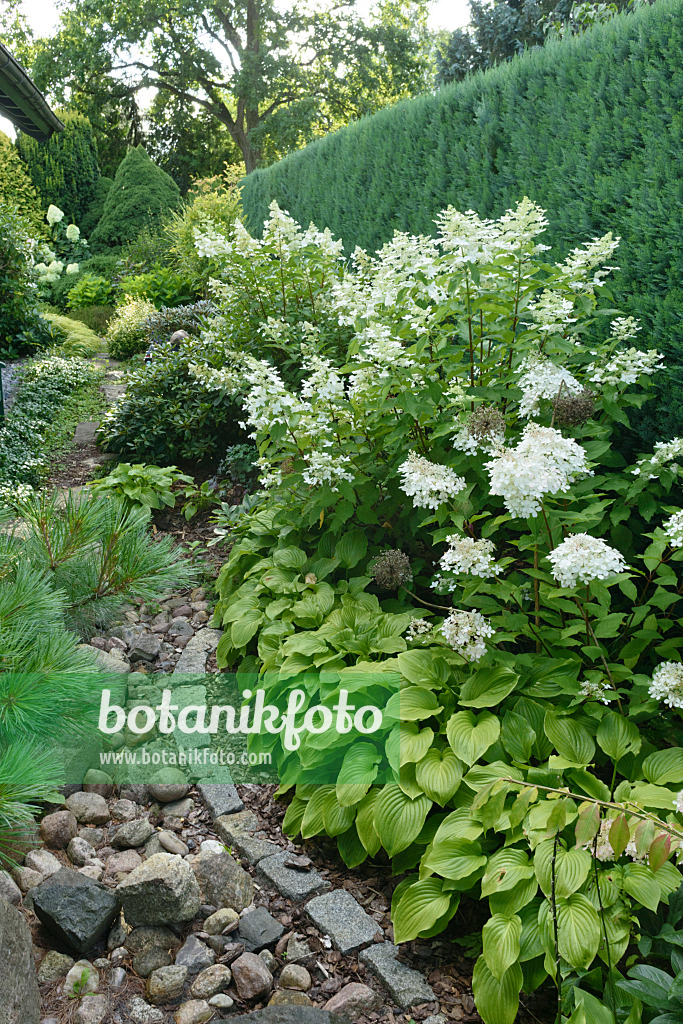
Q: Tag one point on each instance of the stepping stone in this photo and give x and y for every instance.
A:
(193, 659)
(296, 886)
(220, 799)
(405, 986)
(112, 392)
(258, 930)
(247, 846)
(338, 915)
(85, 432)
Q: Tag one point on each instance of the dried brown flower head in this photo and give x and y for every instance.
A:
(486, 421)
(574, 410)
(391, 569)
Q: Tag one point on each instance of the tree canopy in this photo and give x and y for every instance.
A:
(273, 78)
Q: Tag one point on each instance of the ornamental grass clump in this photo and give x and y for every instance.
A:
(530, 670)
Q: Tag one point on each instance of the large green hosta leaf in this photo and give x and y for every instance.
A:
(578, 930)
(419, 908)
(398, 819)
(471, 735)
(571, 868)
(570, 739)
(357, 773)
(455, 858)
(497, 1001)
(439, 774)
(501, 943)
(488, 687)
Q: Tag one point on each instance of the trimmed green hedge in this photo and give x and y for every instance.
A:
(590, 127)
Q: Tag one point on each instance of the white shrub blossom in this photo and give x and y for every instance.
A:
(665, 451)
(468, 556)
(417, 628)
(673, 528)
(543, 462)
(54, 214)
(72, 268)
(667, 684)
(323, 467)
(73, 233)
(427, 483)
(597, 689)
(467, 633)
(541, 378)
(678, 802)
(582, 558)
(625, 367)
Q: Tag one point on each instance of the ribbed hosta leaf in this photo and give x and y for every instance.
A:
(471, 735)
(420, 907)
(501, 938)
(497, 1000)
(398, 819)
(439, 774)
(571, 868)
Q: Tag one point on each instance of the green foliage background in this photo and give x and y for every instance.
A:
(142, 195)
(589, 127)
(64, 170)
(16, 188)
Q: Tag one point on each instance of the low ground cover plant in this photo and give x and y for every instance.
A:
(50, 388)
(139, 484)
(449, 532)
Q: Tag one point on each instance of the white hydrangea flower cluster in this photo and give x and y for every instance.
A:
(418, 628)
(665, 451)
(578, 267)
(322, 467)
(467, 556)
(54, 215)
(626, 366)
(624, 328)
(427, 483)
(581, 558)
(72, 268)
(597, 689)
(468, 239)
(323, 383)
(543, 462)
(467, 633)
(541, 378)
(666, 685)
(73, 233)
(673, 528)
(551, 313)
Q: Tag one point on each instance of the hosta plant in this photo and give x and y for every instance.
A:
(140, 484)
(451, 534)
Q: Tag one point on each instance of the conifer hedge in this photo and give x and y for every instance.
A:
(590, 127)
(64, 169)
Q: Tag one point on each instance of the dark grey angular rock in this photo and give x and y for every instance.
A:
(288, 1015)
(338, 915)
(405, 986)
(75, 909)
(293, 885)
(145, 648)
(19, 995)
(258, 930)
(220, 798)
(195, 955)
